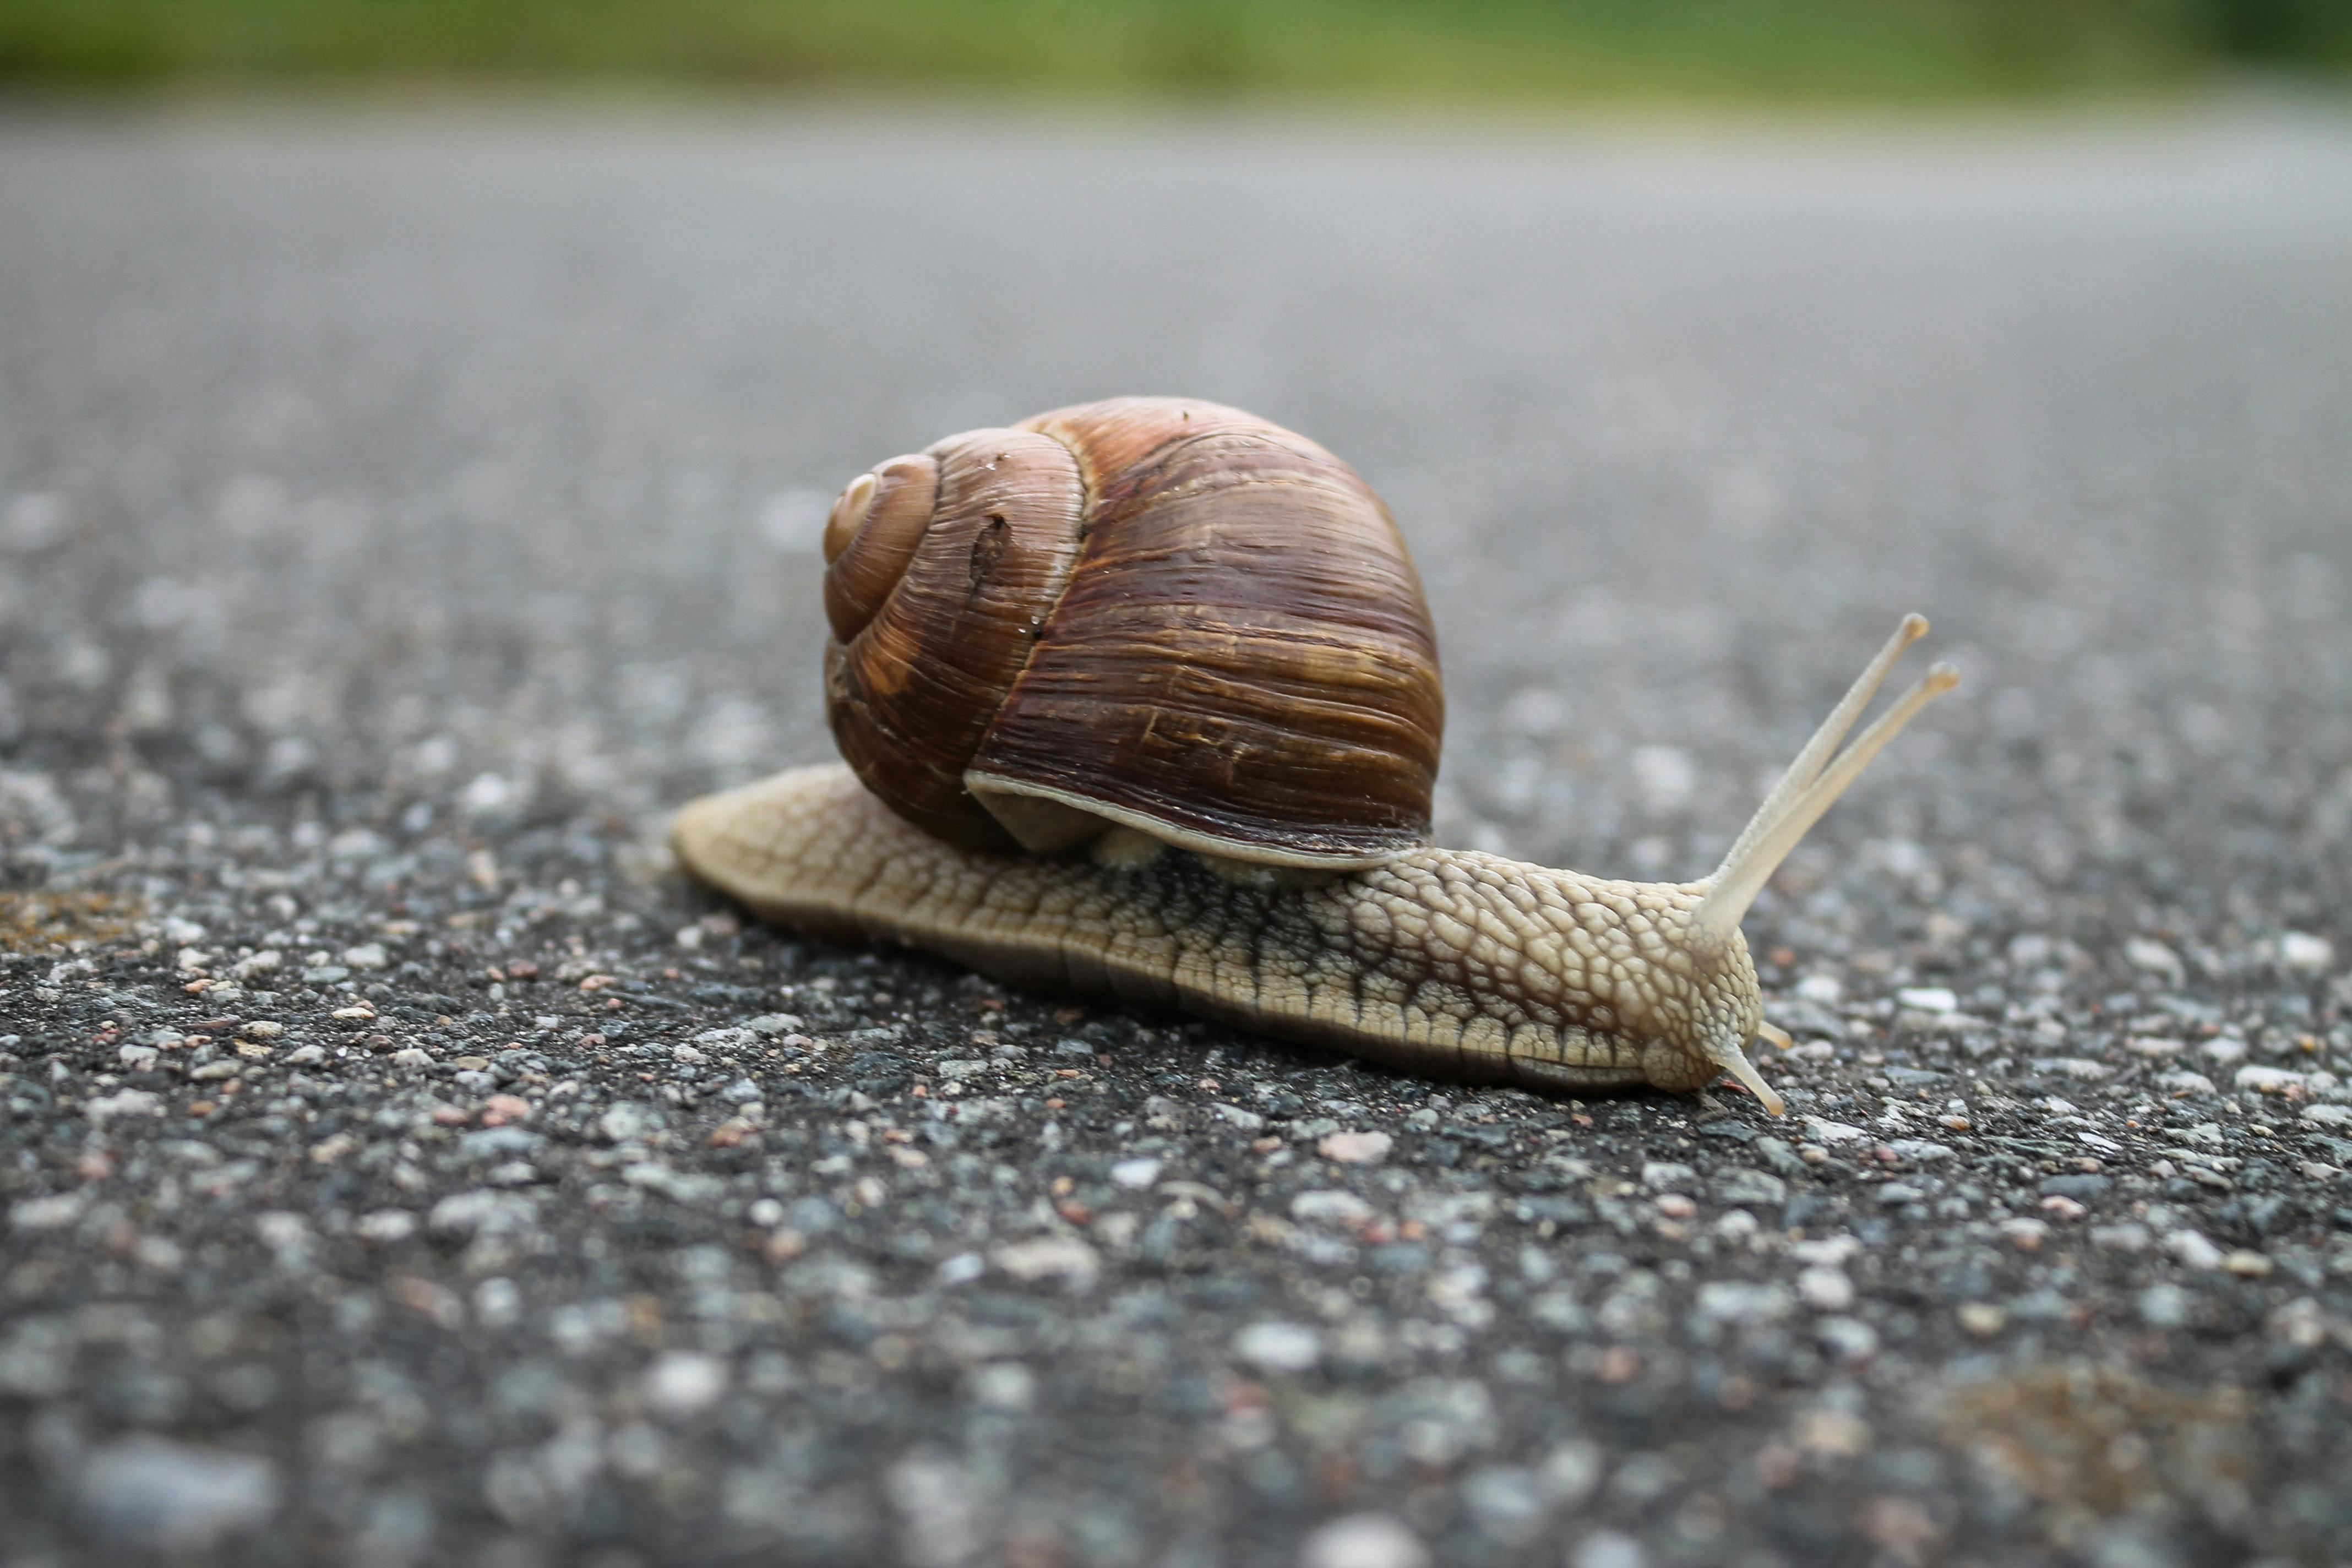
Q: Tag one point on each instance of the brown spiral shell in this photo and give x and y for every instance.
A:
(1148, 610)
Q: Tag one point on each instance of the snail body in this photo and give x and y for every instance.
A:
(1140, 698)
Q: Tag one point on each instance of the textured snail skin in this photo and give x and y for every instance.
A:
(1446, 962)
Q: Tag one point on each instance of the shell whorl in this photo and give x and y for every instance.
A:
(1150, 612)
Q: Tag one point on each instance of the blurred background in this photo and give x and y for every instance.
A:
(1532, 51)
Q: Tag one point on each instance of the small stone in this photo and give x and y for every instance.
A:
(1364, 1541)
(682, 1383)
(1355, 1148)
(410, 1057)
(1981, 1319)
(2025, 1235)
(122, 1102)
(366, 955)
(1665, 1176)
(2247, 1264)
(1279, 1347)
(1608, 1549)
(385, 1226)
(1003, 1386)
(1330, 1206)
(48, 1214)
(1825, 1290)
(1849, 1339)
(2088, 1069)
(176, 1497)
(1506, 1502)
(2164, 1306)
(1832, 1433)
(1135, 1175)
(1742, 1188)
(1571, 1472)
(2193, 1250)
(1049, 1258)
(1929, 999)
(1742, 1302)
(2301, 951)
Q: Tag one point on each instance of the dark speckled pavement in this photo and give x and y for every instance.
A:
(400, 512)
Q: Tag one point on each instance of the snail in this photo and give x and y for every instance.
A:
(1140, 698)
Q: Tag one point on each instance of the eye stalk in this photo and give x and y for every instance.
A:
(1812, 783)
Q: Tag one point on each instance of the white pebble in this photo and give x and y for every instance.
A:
(1133, 1175)
(1825, 1290)
(2193, 1250)
(683, 1383)
(2301, 950)
(1003, 1386)
(385, 1226)
(1049, 1258)
(1364, 1541)
(175, 1496)
(1665, 1176)
(1608, 1549)
(1355, 1148)
(1278, 1346)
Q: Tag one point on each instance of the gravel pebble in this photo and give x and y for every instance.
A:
(178, 1496)
(1364, 1541)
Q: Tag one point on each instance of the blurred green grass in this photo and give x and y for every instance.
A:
(1435, 51)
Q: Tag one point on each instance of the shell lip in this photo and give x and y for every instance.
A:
(984, 784)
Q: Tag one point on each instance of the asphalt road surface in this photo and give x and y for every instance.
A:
(400, 1164)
